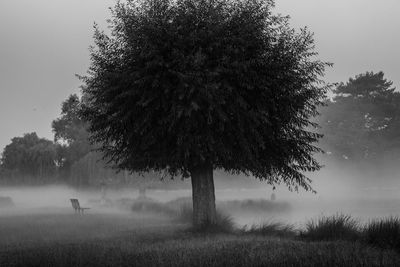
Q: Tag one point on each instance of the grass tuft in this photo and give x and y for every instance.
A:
(336, 227)
(383, 233)
(224, 224)
(184, 214)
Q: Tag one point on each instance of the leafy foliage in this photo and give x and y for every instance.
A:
(79, 161)
(362, 120)
(29, 156)
(69, 127)
(183, 83)
(71, 132)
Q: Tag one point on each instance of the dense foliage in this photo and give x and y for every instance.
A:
(80, 163)
(70, 131)
(183, 83)
(362, 121)
(29, 157)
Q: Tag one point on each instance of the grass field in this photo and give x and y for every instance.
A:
(60, 238)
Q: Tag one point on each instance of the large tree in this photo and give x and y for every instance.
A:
(79, 162)
(190, 86)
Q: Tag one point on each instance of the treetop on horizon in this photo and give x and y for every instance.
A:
(368, 84)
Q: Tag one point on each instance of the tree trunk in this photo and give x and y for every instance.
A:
(204, 212)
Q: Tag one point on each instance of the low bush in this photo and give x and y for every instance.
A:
(184, 214)
(336, 227)
(224, 224)
(383, 233)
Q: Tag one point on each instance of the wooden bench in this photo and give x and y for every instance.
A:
(77, 207)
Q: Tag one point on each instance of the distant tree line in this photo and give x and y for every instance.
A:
(69, 159)
(29, 156)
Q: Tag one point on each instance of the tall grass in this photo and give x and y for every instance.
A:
(383, 233)
(336, 227)
(194, 250)
(139, 240)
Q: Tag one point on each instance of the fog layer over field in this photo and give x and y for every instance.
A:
(339, 190)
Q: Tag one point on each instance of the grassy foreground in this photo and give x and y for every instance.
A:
(139, 239)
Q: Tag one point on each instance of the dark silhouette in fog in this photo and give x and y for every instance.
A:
(77, 207)
(190, 86)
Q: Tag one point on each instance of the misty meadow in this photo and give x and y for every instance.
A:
(199, 133)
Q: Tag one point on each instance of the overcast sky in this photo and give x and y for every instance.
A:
(44, 43)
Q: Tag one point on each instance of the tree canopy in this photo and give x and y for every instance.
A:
(70, 127)
(79, 163)
(361, 122)
(29, 156)
(70, 132)
(183, 83)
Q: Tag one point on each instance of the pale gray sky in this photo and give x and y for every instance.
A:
(43, 43)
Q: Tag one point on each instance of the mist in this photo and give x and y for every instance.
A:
(339, 189)
(132, 132)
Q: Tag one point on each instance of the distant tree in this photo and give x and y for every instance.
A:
(79, 161)
(90, 170)
(30, 156)
(70, 131)
(190, 86)
(359, 123)
(70, 127)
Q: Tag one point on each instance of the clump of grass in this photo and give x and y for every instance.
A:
(271, 228)
(224, 223)
(383, 233)
(336, 227)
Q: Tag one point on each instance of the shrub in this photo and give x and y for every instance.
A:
(336, 227)
(383, 233)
